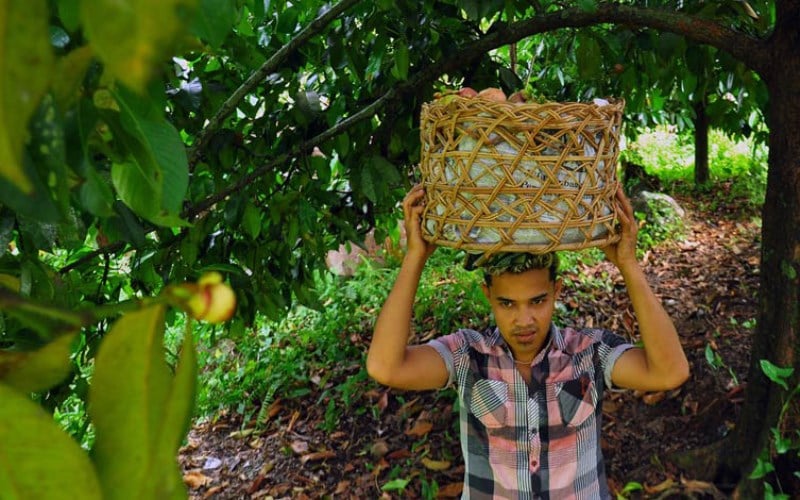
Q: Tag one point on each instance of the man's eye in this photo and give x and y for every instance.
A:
(505, 304)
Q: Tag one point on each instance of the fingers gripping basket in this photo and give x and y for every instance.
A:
(502, 176)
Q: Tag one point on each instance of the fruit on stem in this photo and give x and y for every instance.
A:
(212, 300)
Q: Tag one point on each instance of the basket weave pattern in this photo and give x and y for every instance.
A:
(532, 177)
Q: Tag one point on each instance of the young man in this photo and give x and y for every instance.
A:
(529, 393)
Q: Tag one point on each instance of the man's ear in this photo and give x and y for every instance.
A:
(486, 292)
(557, 287)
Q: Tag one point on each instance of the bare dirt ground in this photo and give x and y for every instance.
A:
(395, 444)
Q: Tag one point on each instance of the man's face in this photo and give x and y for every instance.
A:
(523, 306)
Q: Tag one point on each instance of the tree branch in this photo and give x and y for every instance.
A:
(748, 49)
(751, 51)
(258, 76)
(302, 148)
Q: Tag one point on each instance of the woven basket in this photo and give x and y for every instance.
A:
(502, 176)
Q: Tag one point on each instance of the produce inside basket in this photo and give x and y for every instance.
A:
(519, 176)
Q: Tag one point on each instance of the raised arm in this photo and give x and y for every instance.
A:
(661, 364)
(391, 361)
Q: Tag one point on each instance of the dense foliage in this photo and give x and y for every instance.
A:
(149, 142)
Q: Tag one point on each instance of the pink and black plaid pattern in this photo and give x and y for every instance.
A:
(541, 441)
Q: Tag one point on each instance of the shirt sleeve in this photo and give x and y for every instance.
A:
(449, 348)
(609, 348)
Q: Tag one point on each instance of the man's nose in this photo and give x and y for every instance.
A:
(526, 315)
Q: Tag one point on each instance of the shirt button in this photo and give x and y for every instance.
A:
(534, 463)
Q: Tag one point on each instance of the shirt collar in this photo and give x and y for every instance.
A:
(494, 339)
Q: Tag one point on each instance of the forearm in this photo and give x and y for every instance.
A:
(393, 326)
(663, 350)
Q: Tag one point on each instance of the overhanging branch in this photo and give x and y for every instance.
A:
(315, 27)
(751, 51)
(748, 49)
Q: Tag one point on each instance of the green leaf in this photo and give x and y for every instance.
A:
(134, 37)
(214, 20)
(401, 61)
(95, 194)
(375, 61)
(37, 204)
(137, 408)
(788, 270)
(770, 494)
(251, 220)
(368, 182)
(587, 5)
(711, 357)
(588, 56)
(129, 225)
(69, 14)
(631, 486)
(35, 371)
(342, 144)
(385, 169)
(782, 443)
(177, 418)
(37, 459)
(776, 373)
(322, 166)
(26, 61)
(158, 168)
(763, 467)
(287, 20)
(71, 70)
(689, 83)
(48, 149)
(395, 484)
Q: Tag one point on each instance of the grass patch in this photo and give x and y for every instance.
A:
(737, 168)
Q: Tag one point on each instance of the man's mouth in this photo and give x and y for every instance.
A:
(525, 336)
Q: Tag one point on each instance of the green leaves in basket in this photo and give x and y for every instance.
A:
(511, 262)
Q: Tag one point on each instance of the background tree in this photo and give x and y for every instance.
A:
(150, 142)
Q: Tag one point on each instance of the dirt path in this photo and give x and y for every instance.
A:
(409, 441)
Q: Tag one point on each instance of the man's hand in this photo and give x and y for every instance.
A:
(413, 206)
(623, 253)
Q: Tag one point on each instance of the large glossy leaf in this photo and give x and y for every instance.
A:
(139, 410)
(37, 459)
(25, 68)
(38, 370)
(158, 170)
(177, 420)
(133, 37)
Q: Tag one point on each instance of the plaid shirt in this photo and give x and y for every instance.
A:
(541, 441)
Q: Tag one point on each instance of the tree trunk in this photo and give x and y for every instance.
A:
(777, 338)
(700, 144)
